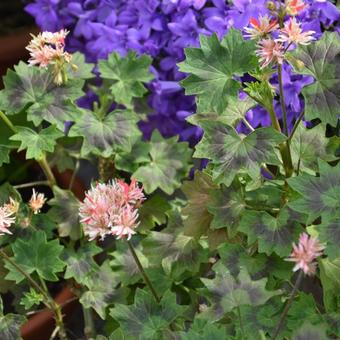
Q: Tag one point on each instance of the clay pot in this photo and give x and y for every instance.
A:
(41, 325)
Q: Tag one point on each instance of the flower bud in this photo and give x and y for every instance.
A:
(271, 6)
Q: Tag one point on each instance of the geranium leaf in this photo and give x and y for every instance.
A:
(225, 292)
(231, 152)
(4, 154)
(128, 73)
(203, 330)
(102, 290)
(33, 88)
(310, 332)
(168, 164)
(65, 212)
(117, 131)
(146, 319)
(36, 254)
(212, 68)
(273, 234)
(83, 69)
(31, 298)
(227, 206)
(80, 263)
(329, 234)
(153, 212)
(320, 196)
(10, 325)
(176, 253)
(307, 145)
(197, 217)
(321, 60)
(37, 143)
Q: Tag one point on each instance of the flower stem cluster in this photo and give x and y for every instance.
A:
(271, 50)
(111, 209)
(47, 49)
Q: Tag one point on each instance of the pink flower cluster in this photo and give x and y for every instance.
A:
(46, 48)
(111, 209)
(272, 50)
(305, 253)
(7, 216)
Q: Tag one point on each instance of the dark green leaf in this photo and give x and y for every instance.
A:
(146, 319)
(212, 68)
(321, 60)
(320, 196)
(273, 234)
(36, 254)
(4, 154)
(34, 88)
(198, 218)
(203, 330)
(226, 293)
(65, 212)
(128, 73)
(231, 152)
(37, 143)
(168, 164)
(118, 131)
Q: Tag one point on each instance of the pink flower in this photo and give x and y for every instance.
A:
(304, 254)
(294, 7)
(269, 51)
(111, 209)
(292, 34)
(7, 216)
(36, 202)
(260, 27)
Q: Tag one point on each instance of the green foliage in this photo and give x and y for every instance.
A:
(329, 234)
(36, 254)
(31, 298)
(321, 60)
(33, 89)
(202, 330)
(10, 325)
(64, 212)
(146, 319)
(117, 131)
(231, 152)
(128, 75)
(212, 68)
(168, 164)
(320, 196)
(37, 143)
(4, 154)
(310, 332)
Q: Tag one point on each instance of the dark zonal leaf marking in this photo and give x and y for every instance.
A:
(213, 66)
(322, 61)
(146, 319)
(118, 131)
(273, 234)
(329, 233)
(168, 164)
(232, 152)
(320, 196)
(226, 293)
(34, 88)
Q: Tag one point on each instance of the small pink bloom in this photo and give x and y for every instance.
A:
(269, 51)
(260, 28)
(292, 34)
(36, 202)
(7, 217)
(132, 193)
(305, 253)
(125, 222)
(294, 7)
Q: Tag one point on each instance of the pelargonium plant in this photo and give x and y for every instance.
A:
(247, 249)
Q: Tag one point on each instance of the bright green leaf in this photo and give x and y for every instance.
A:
(321, 60)
(203, 330)
(212, 69)
(82, 70)
(31, 298)
(168, 164)
(128, 73)
(36, 254)
(237, 109)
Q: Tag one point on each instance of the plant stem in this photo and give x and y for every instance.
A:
(241, 323)
(30, 184)
(288, 305)
(141, 269)
(296, 125)
(47, 171)
(74, 175)
(8, 122)
(247, 124)
(89, 329)
(282, 100)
